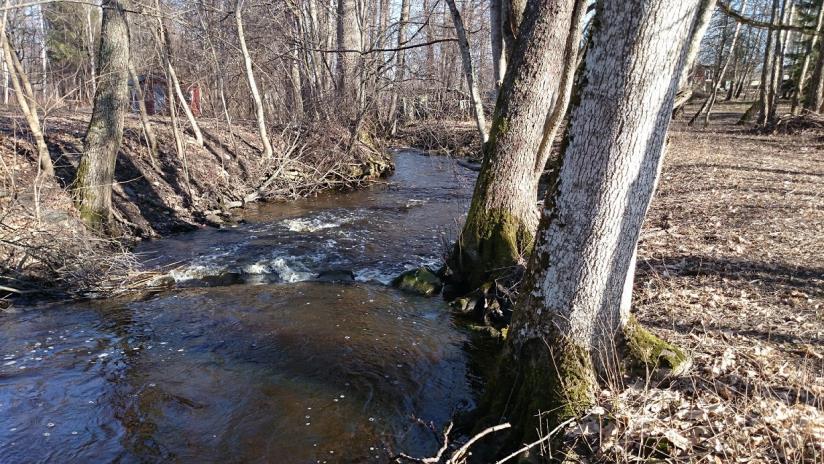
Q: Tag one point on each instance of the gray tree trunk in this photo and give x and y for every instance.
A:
(503, 217)
(92, 187)
(348, 58)
(699, 28)
(469, 71)
(253, 88)
(765, 90)
(148, 131)
(400, 66)
(801, 87)
(573, 312)
(496, 27)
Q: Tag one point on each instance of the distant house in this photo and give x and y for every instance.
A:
(155, 95)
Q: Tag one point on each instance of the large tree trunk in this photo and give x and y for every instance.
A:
(801, 87)
(503, 216)
(92, 187)
(469, 71)
(348, 59)
(573, 313)
(253, 88)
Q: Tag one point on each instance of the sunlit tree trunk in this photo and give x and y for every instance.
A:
(25, 99)
(400, 66)
(497, 41)
(90, 47)
(801, 88)
(765, 91)
(469, 71)
(705, 11)
(92, 187)
(348, 59)
(503, 216)
(572, 317)
(253, 88)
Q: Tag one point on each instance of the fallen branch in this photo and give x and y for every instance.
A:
(541, 440)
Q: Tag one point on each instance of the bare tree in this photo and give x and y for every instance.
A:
(92, 187)
(24, 94)
(253, 88)
(469, 71)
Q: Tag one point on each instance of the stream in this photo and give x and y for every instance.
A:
(281, 341)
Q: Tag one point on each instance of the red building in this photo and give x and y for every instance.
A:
(156, 95)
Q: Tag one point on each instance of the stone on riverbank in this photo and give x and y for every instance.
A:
(421, 281)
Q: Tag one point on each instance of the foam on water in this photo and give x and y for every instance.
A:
(321, 221)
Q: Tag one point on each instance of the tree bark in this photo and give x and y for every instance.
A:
(347, 65)
(400, 67)
(699, 28)
(801, 87)
(708, 104)
(765, 91)
(166, 44)
(497, 41)
(469, 71)
(572, 318)
(253, 88)
(92, 187)
(503, 217)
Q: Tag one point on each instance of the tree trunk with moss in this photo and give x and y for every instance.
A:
(92, 187)
(503, 216)
(572, 320)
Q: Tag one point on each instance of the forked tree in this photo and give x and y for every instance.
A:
(503, 216)
(92, 188)
(572, 324)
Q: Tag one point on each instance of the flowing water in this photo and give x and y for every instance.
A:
(254, 356)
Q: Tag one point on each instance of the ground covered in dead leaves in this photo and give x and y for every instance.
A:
(731, 268)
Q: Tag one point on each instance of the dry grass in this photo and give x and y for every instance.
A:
(731, 268)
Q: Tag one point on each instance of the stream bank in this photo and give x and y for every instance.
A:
(279, 340)
(45, 249)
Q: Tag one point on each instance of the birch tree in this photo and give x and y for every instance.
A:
(92, 188)
(572, 322)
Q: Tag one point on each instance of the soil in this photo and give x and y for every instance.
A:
(731, 269)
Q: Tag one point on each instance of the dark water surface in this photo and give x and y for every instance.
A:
(252, 359)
